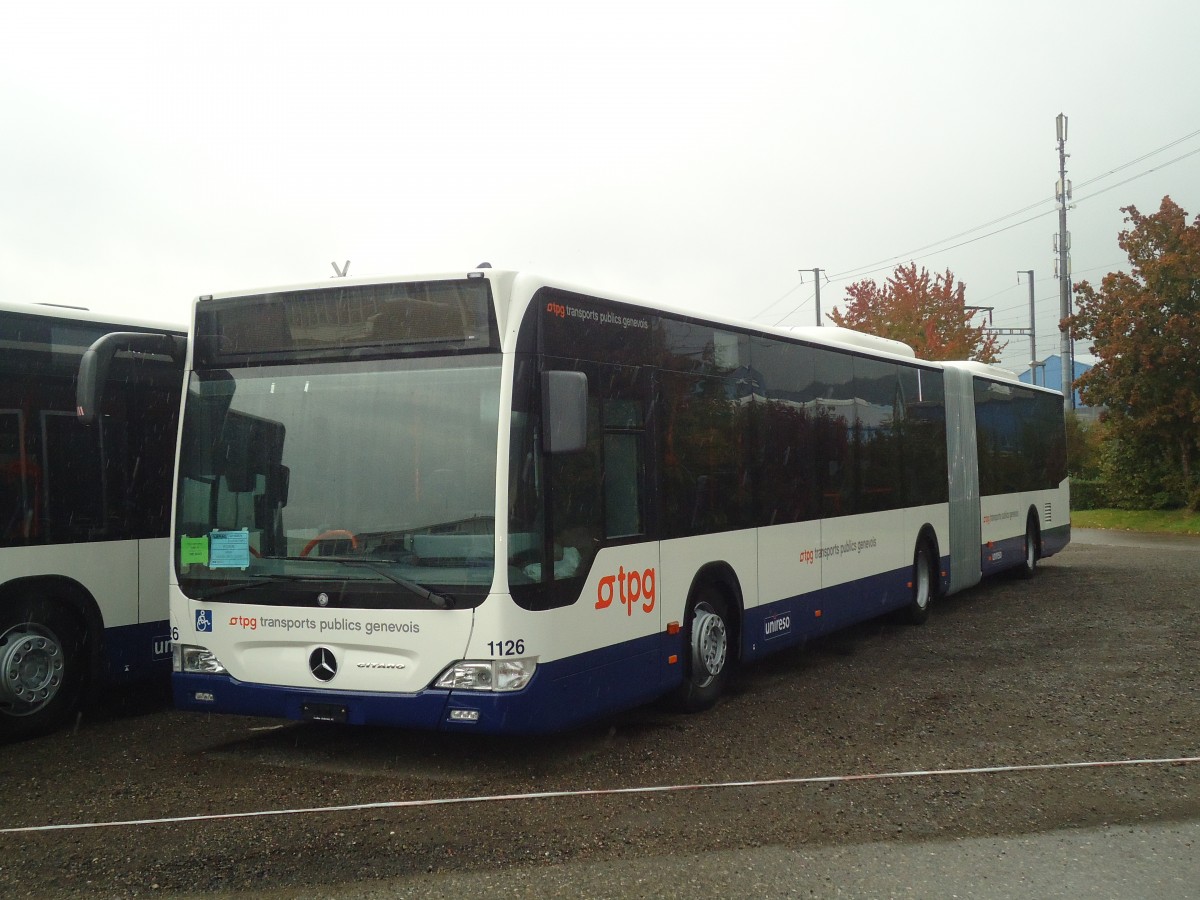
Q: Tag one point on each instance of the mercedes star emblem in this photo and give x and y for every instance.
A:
(322, 664)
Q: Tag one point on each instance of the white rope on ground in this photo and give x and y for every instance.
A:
(608, 792)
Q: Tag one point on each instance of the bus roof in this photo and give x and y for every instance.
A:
(829, 336)
(82, 314)
(526, 283)
(987, 370)
(996, 373)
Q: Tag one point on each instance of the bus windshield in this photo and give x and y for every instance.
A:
(357, 484)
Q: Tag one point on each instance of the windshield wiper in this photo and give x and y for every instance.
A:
(441, 601)
(262, 580)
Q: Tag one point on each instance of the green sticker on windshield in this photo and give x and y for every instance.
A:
(193, 550)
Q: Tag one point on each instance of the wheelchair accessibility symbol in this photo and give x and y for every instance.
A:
(204, 621)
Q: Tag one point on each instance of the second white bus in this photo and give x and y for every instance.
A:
(84, 512)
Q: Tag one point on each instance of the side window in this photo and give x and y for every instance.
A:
(997, 439)
(74, 473)
(526, 497)
(17, 482)
(624, 467)
(565, 506)
(153, 409)
(1050, 415)
(921, 431)
(1021, 441)
(599, 492)
(834, 445)
(877, 407)
(61, 481)
(786, 431)
(576, 497)
(706, 472)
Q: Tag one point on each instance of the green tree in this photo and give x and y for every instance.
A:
(925, 311)
(1084, 441)
(1144, 326)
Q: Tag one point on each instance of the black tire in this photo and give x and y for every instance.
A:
(41, 665)
(707, 651)
(924, 582)
(1028, 567)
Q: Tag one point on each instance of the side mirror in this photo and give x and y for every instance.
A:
(93, 366)
(564, 411)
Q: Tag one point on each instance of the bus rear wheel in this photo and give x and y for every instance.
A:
(40, 666)
(1028, 567)
(708, 651)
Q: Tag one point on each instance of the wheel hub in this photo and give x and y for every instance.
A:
(31, 669)
(923, 581)
(710, 642)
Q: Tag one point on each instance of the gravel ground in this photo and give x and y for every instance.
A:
(1096, 659)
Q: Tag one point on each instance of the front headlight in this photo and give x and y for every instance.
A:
(487, 675)
(192, 659)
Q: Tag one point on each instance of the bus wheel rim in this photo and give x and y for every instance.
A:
(31, 669)
(923, 582)
(710, 643)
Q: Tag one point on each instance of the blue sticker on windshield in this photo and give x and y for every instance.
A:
(229, 549)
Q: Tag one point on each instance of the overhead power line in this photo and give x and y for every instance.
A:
(1137, 176)
(887, 263)
(1134, 162)
(863, 270)
(858, 270)
(837, 276)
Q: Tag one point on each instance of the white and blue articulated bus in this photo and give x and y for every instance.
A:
(84, 511)
(492, 502)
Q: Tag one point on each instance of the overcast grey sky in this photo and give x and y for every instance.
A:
(700, 153)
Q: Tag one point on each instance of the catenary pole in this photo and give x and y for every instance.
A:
(1064, 267)
(817, 279)
(1033, 360)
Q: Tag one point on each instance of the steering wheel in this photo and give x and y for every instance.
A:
(328, 536)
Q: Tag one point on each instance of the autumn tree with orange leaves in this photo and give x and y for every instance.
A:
(1144, 326)
(925, 311)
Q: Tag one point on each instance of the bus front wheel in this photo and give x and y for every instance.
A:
(40, 666)
(708, 651)
(922, 584)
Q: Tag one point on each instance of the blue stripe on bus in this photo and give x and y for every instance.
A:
(220, 693)
(570, 691)
(1055, 539)
(566, 692)
(134, 651)
(561, 694)
(997, 556)
(794, 620)
(1010, 552)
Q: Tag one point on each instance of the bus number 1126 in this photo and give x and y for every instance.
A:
(506, 648)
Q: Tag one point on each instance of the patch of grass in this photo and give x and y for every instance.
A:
(1162, 521)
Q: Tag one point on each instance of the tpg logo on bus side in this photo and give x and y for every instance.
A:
(631, 586)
